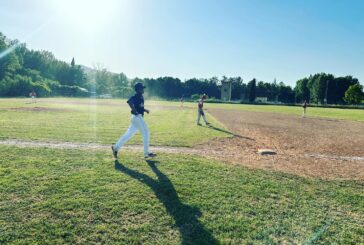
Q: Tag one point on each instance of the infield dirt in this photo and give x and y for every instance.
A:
(314, 147)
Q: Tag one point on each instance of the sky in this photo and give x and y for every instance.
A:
(264, 39)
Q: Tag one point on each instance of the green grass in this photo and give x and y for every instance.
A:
(81, 196)
(102, 123)
(336, 113)
(73, 196)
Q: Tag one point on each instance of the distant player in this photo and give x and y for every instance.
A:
(200, 111)
(137, 123)
(33, 95)
(182, 100)
(304, 106)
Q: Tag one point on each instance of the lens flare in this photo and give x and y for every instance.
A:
(87, 14)
(27, 37)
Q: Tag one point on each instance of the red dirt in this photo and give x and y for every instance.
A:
(331, 143)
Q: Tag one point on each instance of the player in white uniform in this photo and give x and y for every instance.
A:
(200, 111)
(33, 95)
(137, 123)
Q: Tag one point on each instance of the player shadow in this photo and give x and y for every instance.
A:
(185, 216)
(227, 132)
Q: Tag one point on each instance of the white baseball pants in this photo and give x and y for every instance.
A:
(201, 113)
(137, 123)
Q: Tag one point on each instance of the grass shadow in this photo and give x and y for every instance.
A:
(227, 132)
(185, 216)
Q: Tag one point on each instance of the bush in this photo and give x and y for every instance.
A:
(354, 94)
(72, 91)
(42, 89)
(123, 92)
(195, 96)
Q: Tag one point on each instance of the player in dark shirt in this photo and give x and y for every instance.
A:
(137, 123)
(304, 106)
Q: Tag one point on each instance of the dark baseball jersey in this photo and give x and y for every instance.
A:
(138, 101)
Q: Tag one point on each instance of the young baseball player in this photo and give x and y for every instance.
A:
(182, 100)
(304, 106)
(33, 95)
(137, 123)
(200, 111)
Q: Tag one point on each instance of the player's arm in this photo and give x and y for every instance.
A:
(146, 110)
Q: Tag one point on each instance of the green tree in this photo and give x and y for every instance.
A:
(323, 87)
(301, 90)
(237, 88)
(9, 62)
(318, 86)
(338, 87)
(286, 94)
(252, 85)
(354, 94)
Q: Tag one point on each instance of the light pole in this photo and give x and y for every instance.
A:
(327, 88)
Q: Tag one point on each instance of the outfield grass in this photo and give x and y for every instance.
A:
(336, 113)
(78, 196)
(79, 120)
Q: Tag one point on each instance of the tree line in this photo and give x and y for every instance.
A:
(23, 70)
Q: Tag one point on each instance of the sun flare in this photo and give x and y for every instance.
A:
(87, 14)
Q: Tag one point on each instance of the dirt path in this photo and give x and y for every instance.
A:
(74, 145)
(331, 166)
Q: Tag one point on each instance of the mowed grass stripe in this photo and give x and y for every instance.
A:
(79, 196)
(335, 113)
(99, 123)
(86, 103)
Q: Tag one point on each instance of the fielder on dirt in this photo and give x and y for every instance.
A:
(304, 107)
(137, 123)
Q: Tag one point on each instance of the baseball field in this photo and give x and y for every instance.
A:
(59, 182)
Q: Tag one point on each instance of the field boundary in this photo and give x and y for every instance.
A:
(162, 149)
(75, 145)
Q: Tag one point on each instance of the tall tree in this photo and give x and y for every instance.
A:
(237, 88)
(301, 90)
(252, 90)
(354, 94)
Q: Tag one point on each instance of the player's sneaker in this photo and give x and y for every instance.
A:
(208, 123)
(114, 152)
(199, 124)
(150, 155)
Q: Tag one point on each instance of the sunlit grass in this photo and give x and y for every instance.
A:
(336, 113)
(78, 120)
(71, 196)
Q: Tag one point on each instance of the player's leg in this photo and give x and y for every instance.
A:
(127, 135)
(198, 117)
(146, 136)
(144, 130)
(204, 117)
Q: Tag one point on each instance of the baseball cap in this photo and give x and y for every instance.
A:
(138, 86)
